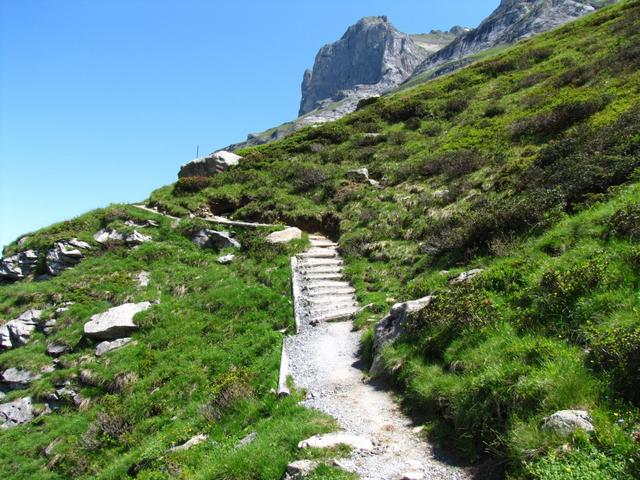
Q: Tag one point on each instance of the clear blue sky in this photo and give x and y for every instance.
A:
(102, 100)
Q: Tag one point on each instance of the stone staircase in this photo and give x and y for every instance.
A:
(320, 292)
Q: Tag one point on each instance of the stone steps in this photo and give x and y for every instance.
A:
(321, 292)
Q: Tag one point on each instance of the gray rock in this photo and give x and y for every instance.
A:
(106, 346)
(13, 378)
(144, 224)
(247, 440)
(284, 236)
(568, 421)
(513, 20)
(214, 239)
(16, 413)
(108, 236)
(300, 468)
(136, 238)
(143, 279)
(465, 277)
(192, 442)
(117, 322)
(371, 58)
(62, 256)
(391, 327)
(17, 332)
(74, 242)
(19, 266)
(224, 259)
(55, 349)
(216, 162)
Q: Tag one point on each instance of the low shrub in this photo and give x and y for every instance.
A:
(453, 164)
(625, 223)
(186, 185)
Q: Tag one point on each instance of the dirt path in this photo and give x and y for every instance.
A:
(324, 360)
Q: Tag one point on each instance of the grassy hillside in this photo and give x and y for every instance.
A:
(205, 361)
(524, 164)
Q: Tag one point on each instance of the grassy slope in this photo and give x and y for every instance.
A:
(524, 164)
(205, 361)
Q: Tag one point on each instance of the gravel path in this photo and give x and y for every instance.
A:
(323, 359)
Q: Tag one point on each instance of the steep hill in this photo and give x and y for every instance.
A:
(504, 196)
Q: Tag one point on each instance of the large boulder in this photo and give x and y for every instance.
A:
(568, 421)
(214, 239)
(284, 236)
(16, 413)
(391, 327)
(210, 165)
(65, 255)
(18, 266)
(117, 322)
(13, 378)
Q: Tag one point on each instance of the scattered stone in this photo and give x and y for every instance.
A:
(16, 413)
(117, 322)
(391, 327)
(19, 266)
(142, 278)
(64, 255)
(418, 429)
(106, 346)
(145, 224)
(198, 439)
(331, 440)
(136, 238)
(74, 242)
(466, 276)
(413, 475)
(568, 421)
(217, 162)
(300, 468)
(214, 239)
(14, 379)
(48, 368)
(247, 440)
(48, 326)
(284, 236)
(49, 449)
(358, 175)
(55, 349)
(223, 260)
(108, 236)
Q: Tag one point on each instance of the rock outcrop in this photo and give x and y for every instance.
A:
(13, 378)
(284, 236)
(117, 322)
(65, 255)
(113, 236)
(214, 239)
(371, 58)
(216, 162)
(512, 21)
(19, 266)
(391, 327)
(17, 332)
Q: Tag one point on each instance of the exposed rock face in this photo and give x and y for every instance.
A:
(568, 421)
(117, 322)
(513, 20)
(18, 266)
(16, 333)
(370, 58)
(215, 163)
(391, 327)
(112, 236)
(284, 236)
(214, 240)
(16, 413)
(65, 255)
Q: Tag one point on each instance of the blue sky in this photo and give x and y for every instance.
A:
(102, 100)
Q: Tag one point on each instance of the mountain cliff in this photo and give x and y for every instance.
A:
(512, 21)
(370, 58)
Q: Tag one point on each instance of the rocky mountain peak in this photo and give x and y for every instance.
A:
(370, 58)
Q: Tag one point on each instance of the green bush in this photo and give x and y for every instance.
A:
(187, 185)
(625, 223)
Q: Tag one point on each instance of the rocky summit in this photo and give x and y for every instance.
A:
(512, 21)
(370, 58)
